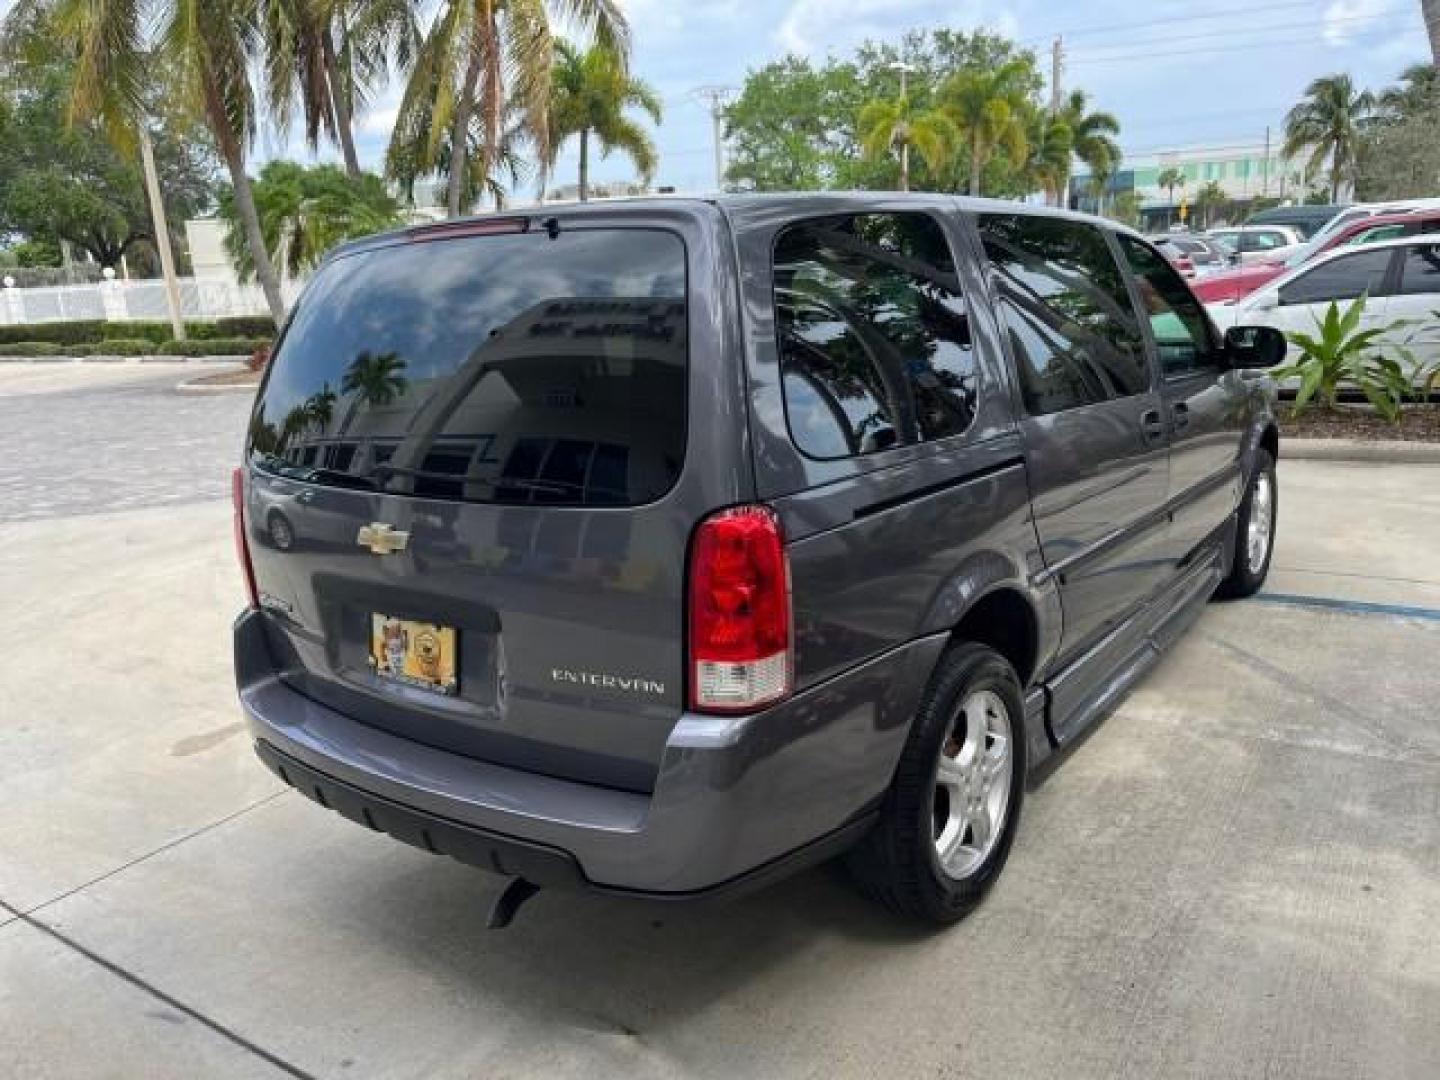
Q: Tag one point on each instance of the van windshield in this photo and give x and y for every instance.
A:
(518, 368)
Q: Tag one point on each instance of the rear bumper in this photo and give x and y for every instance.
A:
(737, 799)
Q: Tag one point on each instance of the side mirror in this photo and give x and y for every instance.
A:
(1254, 347)
(1233, 258)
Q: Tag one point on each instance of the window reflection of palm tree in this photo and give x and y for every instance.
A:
(320, 407)
(375, 379)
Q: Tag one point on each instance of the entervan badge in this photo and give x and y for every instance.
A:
(382, 539)
(605, 681)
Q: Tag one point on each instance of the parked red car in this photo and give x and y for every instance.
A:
(1231, 285)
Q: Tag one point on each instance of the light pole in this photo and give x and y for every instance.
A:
(162, 233)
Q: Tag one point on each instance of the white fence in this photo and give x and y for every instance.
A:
(119, 301)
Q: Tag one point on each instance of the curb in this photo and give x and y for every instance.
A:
(1385, 451)
(150, 358)
(194, 386)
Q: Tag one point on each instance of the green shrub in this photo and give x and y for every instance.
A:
(32, 348)
(80, 331)
(230, 346)
(126, 347)
(55, 333)
(145, 330)
(244, 326)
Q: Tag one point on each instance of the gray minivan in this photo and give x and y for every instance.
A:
(660, 547)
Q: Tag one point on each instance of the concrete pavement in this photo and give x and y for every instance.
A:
(1235, 876)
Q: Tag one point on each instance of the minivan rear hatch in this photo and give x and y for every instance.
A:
(465, 468)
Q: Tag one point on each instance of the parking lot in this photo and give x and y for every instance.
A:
(1237, 875)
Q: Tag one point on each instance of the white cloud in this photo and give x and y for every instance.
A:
(1345, 20)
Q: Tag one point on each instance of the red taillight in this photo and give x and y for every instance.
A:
(242, 544)
(740, 648)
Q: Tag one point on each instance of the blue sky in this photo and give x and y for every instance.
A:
(1174, 72)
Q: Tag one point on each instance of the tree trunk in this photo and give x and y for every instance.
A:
(1430, 9)
(460, 130)
(233, 153)
(584, 164)
(975, 164)
(339, 103)
(162, 233)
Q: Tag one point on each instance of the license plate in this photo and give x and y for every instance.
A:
(414, 653)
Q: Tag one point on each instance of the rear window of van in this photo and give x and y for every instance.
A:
(518, 368)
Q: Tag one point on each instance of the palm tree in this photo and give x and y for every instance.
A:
(589, 93)
(1048, 146)
(207, 47)
(1208, 200)
(461, 68)
(375, 379)
(1417, 94)
(320, 407)
(885, 125)
(329, 54)
(989, 107)
(304, 212)
(1093, 136)
(1327, 123)
(1170, 179)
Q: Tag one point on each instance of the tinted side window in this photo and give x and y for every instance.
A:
(1177, 322)
(1342, 278)
(875, 347)
(1422, 270)
(1068, 315)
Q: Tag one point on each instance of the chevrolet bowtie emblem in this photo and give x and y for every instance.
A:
(382, 539)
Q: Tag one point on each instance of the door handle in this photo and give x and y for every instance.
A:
(1152, 428)
(1180, 414)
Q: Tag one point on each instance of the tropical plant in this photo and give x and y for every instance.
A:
(377, 378)
(320, 407)
(1092, 136)
(1208, 201)
(205, 48)
(896, 125)
(1171, 178)
(1327, 124)
(589, 93)
(304, 212)
(473, 49)
(1125, 208)
(1049, 144)
(989, 107)
(62, 180)
(1340, 352)
(327, 56)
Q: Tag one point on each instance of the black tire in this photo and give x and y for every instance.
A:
(1244, 579)
(897, 863)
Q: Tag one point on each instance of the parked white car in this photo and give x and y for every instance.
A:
(1401, 277)
(1260, 243)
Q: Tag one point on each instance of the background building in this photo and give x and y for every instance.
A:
(1243, 172)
